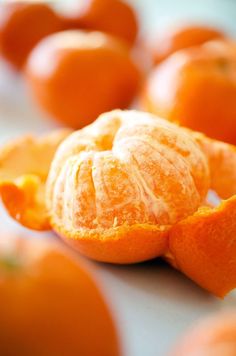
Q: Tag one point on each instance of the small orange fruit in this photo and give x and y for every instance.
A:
(77, 75)
(182, 37)
(22, 25)
(197, 88)
(214, 336)
(112, 16)
(128, 188)
(50, 303)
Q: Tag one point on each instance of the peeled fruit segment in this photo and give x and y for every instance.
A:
(128, 188)
(203, 247)
(24, 166)
(127, 177)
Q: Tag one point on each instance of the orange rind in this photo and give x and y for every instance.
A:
(51, 302)
(24, 166)
(99, 71)
(132, 186)
(203, 246)
(111, 16)
(181, 37)
(196, 87)
(222, 164)
(22, 25)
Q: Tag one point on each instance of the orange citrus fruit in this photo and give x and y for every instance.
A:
(112, 16)
(197, 88)
(22, 25)
(76, 75)
(213, 336)
(128, 188)
(172, 40)
(50, 303)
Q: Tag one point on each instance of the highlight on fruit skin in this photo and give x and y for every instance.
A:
(132, 186)
(115, 17)
(50, 302)
(181, 37)
(98, 71)
(22, 25)
(196, 87)
(212, 336)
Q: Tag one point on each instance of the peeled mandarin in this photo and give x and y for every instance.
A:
(128, 188)
(116, 186)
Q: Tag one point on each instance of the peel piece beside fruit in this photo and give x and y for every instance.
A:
(132, 186)
(24, 166)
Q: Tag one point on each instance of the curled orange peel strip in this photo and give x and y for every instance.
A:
(24, 166)
(203, 246)
(131, 187)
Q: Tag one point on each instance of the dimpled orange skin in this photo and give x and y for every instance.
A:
(172, 40)
(112, 16)
(197, 88)
(50, 303)
(22, 25)
(77, 75)
(213, 336)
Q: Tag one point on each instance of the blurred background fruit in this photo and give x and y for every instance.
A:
(116, 17)
(77, 75)
(174, 39)
(213, 336)
(22, 25)
(197, 88)
(50, 303)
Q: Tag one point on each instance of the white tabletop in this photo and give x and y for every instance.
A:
(153, 304)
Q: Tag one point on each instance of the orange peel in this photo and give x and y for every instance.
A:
(132, 186)
(222, 164)
(24, 165)
(203, 246)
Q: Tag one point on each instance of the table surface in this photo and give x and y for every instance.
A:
(153, 304)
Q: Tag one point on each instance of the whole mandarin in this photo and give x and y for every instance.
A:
(214, 336)
(112, 16)
(182, 37)
(22, 25)
(77, 75)
(50, 303)
(197, 88)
